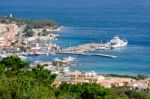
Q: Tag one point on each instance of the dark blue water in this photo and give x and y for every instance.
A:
(92, 21)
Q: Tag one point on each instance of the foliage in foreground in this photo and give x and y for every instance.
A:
(18, 82)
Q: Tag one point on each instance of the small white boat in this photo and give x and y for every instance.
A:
(23, 57)
(30, 54)
(52, 53)
(56, 59)
(3, 56)
(69, 59)
(117, 42)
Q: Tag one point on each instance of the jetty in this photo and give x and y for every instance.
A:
(85, 48)
(89, 54)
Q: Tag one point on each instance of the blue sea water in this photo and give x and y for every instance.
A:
(92, 21)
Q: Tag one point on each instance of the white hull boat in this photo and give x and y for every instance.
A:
(116, 42)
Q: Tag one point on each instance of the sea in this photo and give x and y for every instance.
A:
(87, 21)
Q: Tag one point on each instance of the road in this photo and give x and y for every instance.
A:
(21, 33)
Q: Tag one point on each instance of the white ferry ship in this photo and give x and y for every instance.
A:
(117, 42)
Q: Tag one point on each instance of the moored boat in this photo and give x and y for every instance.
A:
(116, 42)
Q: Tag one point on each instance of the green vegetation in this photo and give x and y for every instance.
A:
(30, 24)
(29, 33)
(136, 95)
(138, 77)
(18, 21)
(141, 76)
(87, 91)
(14, 63)
(33, 24)
(117, 75)
(56, 63)
(17, 81)
(44, 33)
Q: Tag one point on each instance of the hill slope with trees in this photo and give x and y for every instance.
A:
(17, 81)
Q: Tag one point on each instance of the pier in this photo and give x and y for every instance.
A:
(89, 54)
(85, 48)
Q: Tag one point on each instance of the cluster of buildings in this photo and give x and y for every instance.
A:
(91, 77)
(8, 33)
(54, 69)
(64, 74)
(142, 85)
(77, 77)
(11, 33)
(41, 48)
(40, 41)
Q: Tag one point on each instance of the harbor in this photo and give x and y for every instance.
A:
(48, 42)
(81, 49)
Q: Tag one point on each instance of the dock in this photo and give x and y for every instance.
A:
(105, 55)
(85, 48)
(89, 54)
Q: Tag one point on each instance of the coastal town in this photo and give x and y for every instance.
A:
(74, 49)
(24, 41)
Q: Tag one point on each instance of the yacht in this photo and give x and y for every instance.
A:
(117, 42)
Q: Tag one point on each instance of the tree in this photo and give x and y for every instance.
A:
(29, 33)
(136, 95)
(14, 63)
(36, 84)
(2, 69)
(141, 76)
(42, 75)
(57, 63)
(87, 91)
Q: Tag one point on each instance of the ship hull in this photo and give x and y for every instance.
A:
(119, 45)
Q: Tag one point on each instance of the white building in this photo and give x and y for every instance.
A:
(64, 70)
